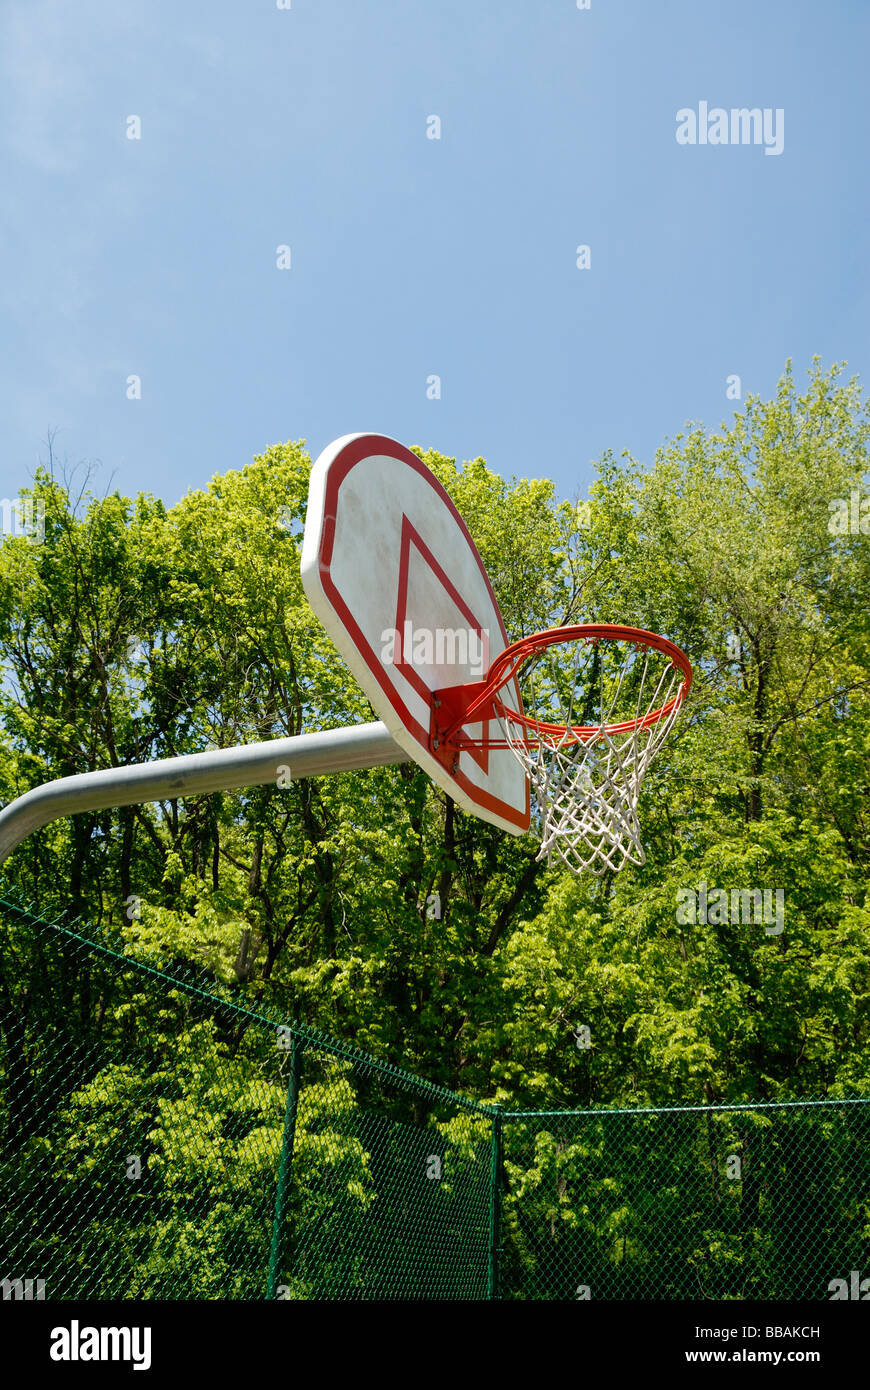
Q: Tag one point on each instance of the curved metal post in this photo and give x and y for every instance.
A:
(219, 769)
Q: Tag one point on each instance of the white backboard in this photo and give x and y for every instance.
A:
(391, 571)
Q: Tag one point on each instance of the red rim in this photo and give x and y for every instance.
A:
(506, 665)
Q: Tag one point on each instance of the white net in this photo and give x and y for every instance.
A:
(587, 784)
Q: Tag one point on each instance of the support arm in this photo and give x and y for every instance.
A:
(220, 769)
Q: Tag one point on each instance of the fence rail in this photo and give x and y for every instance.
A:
(165, 1140)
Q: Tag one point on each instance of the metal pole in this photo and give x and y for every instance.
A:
(220, 769)
(283, 1188)
(495, 1164)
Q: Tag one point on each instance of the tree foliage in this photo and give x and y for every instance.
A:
(135, 631)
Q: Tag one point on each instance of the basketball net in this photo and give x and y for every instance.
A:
(586, 778)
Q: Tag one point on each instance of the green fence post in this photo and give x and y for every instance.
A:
(492, 1290)
(283, 1187)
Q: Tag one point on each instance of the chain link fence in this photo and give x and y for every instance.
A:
(163, 1140)
(743, 1202)
(160, 1140)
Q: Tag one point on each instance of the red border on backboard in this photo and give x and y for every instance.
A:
(354, 452)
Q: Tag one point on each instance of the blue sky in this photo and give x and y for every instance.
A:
(413, 257)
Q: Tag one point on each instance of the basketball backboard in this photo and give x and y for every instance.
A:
(391, 571)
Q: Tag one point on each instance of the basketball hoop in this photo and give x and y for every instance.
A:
(571, 717)
(585, 765)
